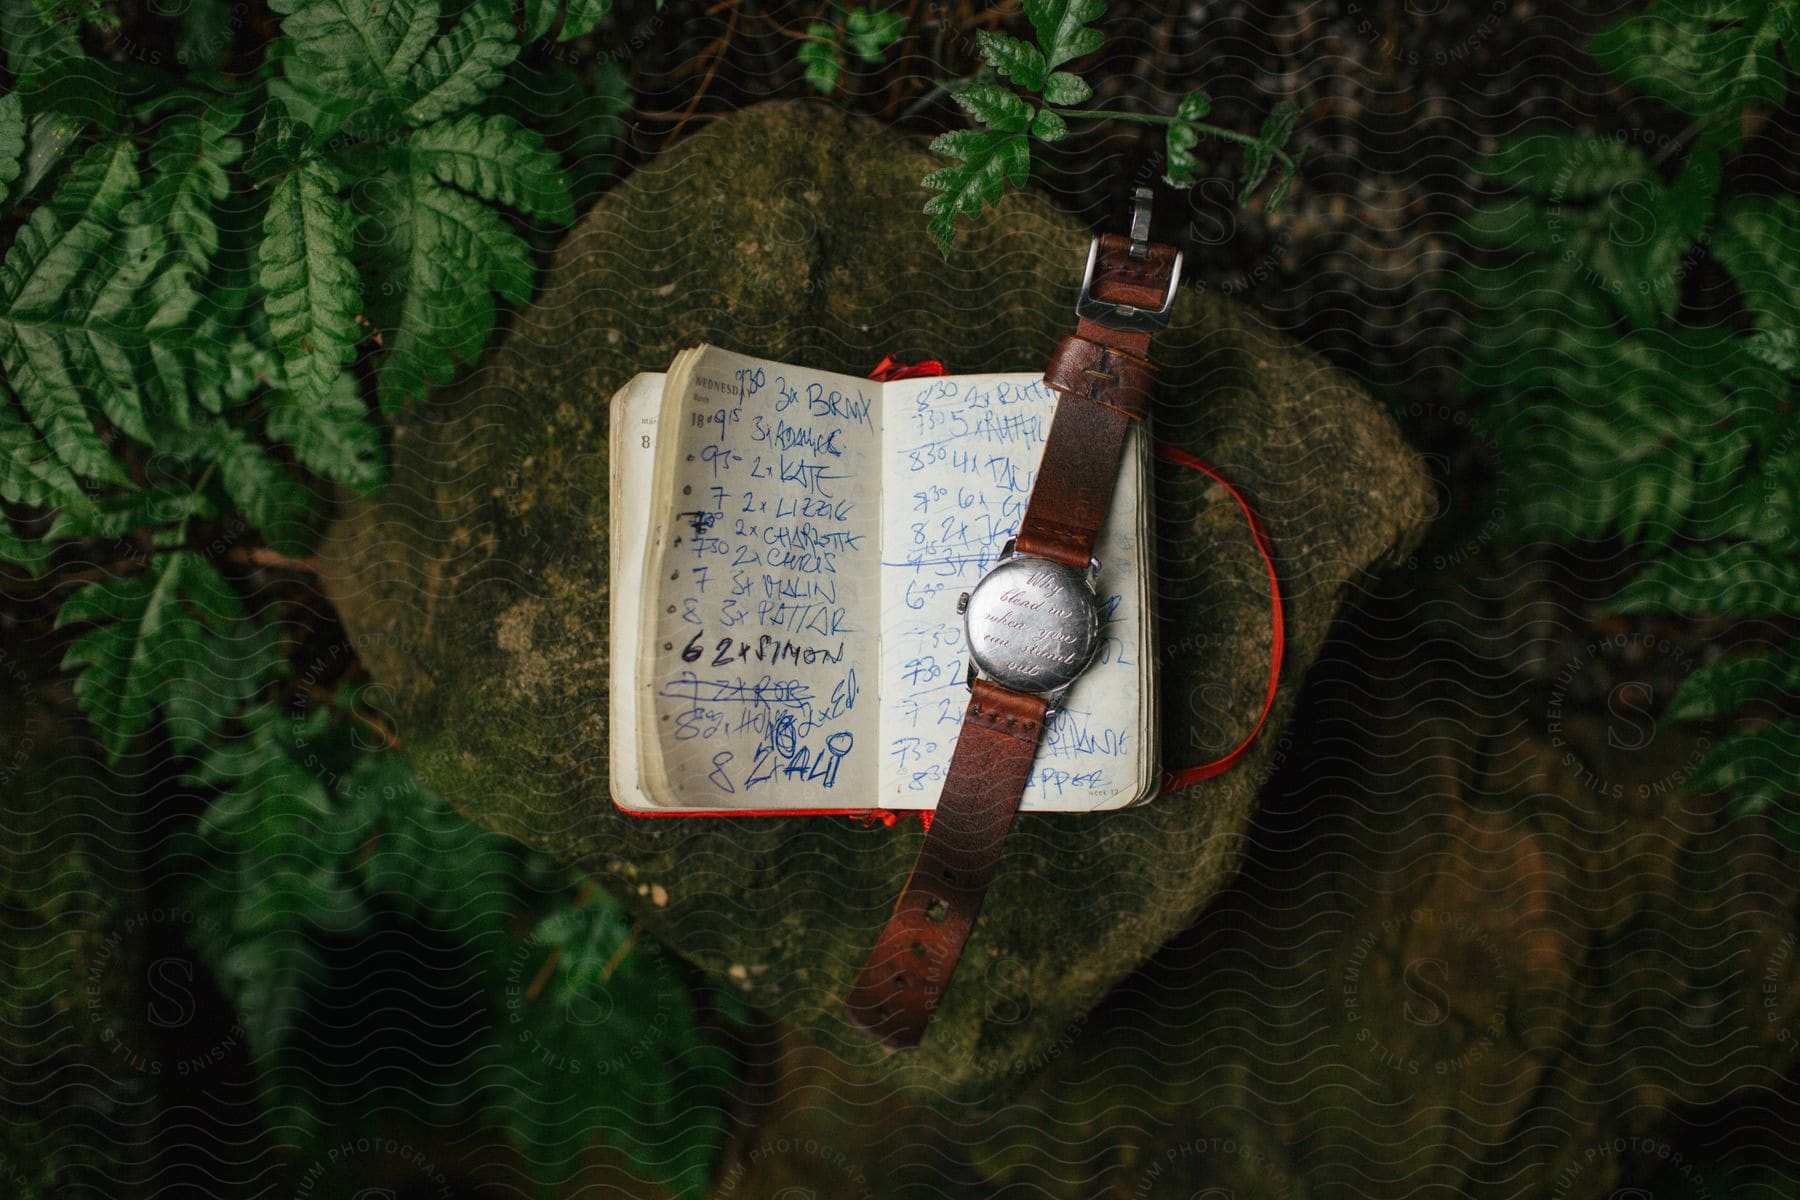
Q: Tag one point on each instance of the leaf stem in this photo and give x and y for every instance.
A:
(200, 486)
(1218, 131)
(1681, 139)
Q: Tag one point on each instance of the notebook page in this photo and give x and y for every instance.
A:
(759, 647)
(959, 457)
(636, 410)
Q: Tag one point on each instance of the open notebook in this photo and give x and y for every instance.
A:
(787, 549)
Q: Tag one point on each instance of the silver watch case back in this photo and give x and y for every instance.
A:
(1032, 624)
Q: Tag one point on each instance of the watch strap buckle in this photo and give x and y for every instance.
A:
(1117, 314)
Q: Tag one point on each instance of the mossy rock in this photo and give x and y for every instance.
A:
(475, 585)
(1466, 956)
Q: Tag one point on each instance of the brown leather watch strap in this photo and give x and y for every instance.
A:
(1104, 384)
(905, 975)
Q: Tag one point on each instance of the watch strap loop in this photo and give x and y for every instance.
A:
(1102, 374)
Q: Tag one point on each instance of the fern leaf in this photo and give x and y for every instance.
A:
(66, 330)
(989, 161)
(1565, 166)
(1259, 156)
(1642, 436)
(465, 64)
(1062, 28)
(274, 816)
(359, 51)
(86, 316)
(1684, 56)
(868, 34)
(1759, 242)
(1779, 348)
(30, 473)
(191, 157)
(388, 54)
(583, 15)
(1017, 60)
(48, 139)
(29, 553)
(1757, 771)
(821, 57)
(279, 507)
(994, 106)
(444, 253)
(312, 293)
(499, 160)
(1737, 579)
(583, 119)
(32, 39)
(1721, 688)
(329, 433)
(1181, 166)
(540, 16)
(119, 515)
(172, 640)
(12, 140)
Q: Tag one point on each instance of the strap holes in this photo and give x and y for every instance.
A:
(918, 948)
(900, 983)
(937, 910)
(949, 875)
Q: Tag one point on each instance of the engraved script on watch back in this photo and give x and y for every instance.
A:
(1032, 624)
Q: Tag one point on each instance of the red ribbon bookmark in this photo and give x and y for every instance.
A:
(1174, 781)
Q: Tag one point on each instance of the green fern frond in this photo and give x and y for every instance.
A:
(388, 54)
(190, 163)
(26, 552)
(330, 433)
(1730, 579)
(1706, 60)
(987, 162)
(1757, 770)
(31, 40)
(63, 294)
(499, 160)
(12, 141)
(443, 254)
(1063, 29)
(1721, 688)
(172, 640)
(311, 290)
(1565, 166)
(1646, 437)
(279, 507)
(1759, 242)
(465, 64)
(119, 514)
(30, 472)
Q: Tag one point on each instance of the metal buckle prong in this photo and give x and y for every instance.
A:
(1140, 223)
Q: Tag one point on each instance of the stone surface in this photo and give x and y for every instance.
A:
(475, 585)
(1469, 954)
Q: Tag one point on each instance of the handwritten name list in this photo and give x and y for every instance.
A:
(802, 647)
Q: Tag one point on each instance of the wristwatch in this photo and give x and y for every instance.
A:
(1031, 625)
